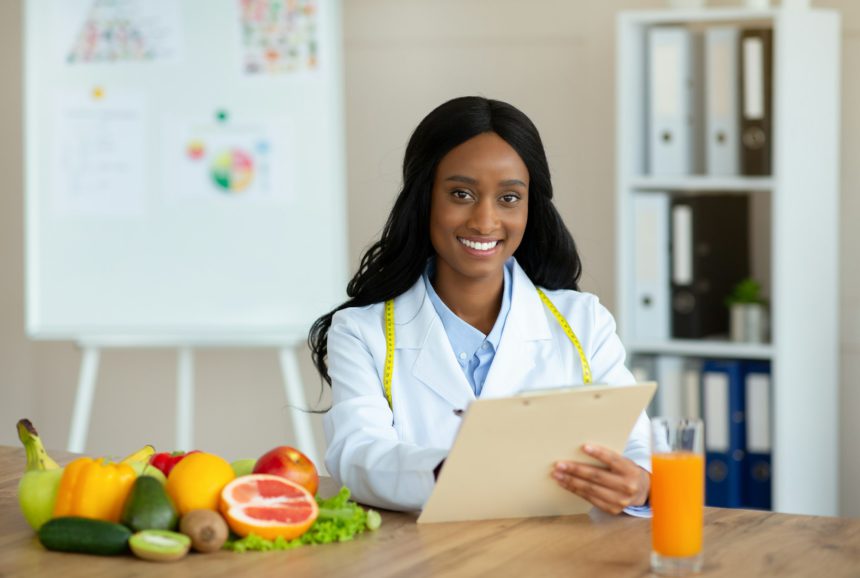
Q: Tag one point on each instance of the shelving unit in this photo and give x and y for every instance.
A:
(701, 348)
(702, 183)
(802, 204)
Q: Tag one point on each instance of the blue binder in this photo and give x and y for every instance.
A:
(725, 433)
(757, 463)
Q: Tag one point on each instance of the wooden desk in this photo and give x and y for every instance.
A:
(737, 543)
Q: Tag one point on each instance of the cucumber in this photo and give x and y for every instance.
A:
(85, 536)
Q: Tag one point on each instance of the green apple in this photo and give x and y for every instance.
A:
(37, 494)
(243, 467)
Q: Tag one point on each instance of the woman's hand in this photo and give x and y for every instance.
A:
(612, 488)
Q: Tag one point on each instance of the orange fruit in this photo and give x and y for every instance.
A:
(196, 482)
(268, 506)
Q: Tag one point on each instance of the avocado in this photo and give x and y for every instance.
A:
(148, 507)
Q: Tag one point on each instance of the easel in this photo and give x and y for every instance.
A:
(287, 346)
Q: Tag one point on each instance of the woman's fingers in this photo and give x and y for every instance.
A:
(611, 487)
(598, 476)
(603, 497)
(614, 460)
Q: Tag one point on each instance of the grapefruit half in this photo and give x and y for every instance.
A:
(268, 506)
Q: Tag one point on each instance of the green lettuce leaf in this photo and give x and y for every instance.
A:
(339, 520)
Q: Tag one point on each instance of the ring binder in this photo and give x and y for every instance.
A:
(756, 56)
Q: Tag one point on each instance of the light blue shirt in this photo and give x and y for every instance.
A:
(474, 350)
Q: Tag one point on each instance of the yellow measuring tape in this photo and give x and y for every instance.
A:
(586, 369)
(389, 349)
(388, 370)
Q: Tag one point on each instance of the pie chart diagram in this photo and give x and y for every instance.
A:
(233, 170)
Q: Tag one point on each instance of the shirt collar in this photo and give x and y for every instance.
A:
(464, 337)
(495, 335)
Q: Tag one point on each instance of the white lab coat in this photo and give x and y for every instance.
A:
(386, 459)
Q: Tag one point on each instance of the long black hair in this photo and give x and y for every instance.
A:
(395, 262)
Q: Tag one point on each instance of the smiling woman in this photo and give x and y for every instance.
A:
(478, 214)
(470, 292)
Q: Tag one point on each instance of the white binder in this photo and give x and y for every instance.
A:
(722, 109)
(670, 382)
(691, 385)
(652, 312)
(674, 121)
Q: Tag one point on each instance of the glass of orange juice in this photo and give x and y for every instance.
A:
(677, 495)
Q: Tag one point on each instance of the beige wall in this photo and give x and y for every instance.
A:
(552, 58)
(16, 384)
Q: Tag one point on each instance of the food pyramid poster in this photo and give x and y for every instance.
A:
(127, 31)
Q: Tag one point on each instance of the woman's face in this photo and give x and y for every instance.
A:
(478, 207)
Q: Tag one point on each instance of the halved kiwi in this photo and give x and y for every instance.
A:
(159, 545)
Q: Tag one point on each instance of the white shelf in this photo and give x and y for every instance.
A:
(703, 348)
(799, 220)
(701, 183)
(702, 16)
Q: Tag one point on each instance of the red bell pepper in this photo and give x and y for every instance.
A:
(166, 461)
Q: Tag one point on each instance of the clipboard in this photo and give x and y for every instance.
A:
(500, 464)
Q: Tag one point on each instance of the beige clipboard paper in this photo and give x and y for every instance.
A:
(500, 464)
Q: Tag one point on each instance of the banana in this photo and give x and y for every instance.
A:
(37, 490)
(141, 455)
(139, 461)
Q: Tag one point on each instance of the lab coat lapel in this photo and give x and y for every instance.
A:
(525, 330)
(436, 367)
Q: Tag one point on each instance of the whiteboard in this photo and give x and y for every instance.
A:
(185, 170)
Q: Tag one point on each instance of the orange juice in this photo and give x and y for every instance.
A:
(678, 501)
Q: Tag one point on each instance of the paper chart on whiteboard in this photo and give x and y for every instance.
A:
(100, 31)
(249, 161)
(99, 155)
(279, 36)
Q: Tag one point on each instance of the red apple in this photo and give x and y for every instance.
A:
(292, 464)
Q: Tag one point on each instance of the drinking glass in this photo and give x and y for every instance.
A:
(677, 495)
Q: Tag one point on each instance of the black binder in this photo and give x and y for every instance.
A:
(755, 83)
(710, 255)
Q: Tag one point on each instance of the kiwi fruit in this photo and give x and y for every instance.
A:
(206, 528)
(159, 545)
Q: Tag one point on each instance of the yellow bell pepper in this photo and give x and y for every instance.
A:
(94, 489)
